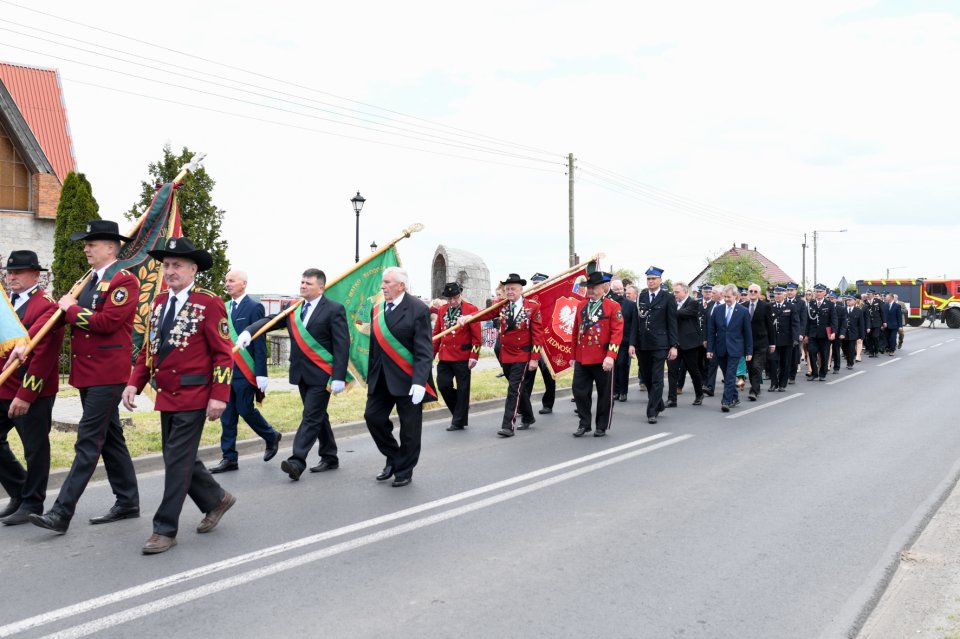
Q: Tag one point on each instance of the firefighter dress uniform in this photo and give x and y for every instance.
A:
(598, 333)
(455, 351)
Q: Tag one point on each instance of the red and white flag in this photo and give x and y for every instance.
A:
(558, 310)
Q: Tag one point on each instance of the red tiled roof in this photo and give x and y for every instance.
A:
(39, 97)
(771, 272)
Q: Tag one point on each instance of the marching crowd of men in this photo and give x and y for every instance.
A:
(187, 358)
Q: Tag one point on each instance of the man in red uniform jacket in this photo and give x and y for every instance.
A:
(101, 342)
(597, 333)
(458, 351)
(521, 343)
(189, 358)
(26, 399)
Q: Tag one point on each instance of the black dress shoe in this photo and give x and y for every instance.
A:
(324, 466)
(651, 420)
(672, 403)
(51, 521)
(12, 506)
(772, 389)
(545, 411)
(581, 432)
(734, 403)
(400, 482)
(781, 390)
(752, 397)
(224, 466)
(623, 397)
(600, 433)
(505, 432)
(292, 470)
(792, 381)
(17, 518)
(708, 392)
(116, 513)
(271, 450)
(386, 473)
(526, 425)
(836, 371)
(454, 427)
(725, 408)
(698, 401)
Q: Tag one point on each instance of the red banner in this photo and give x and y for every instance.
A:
(558, 310)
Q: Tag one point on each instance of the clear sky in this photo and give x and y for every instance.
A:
(695, 126)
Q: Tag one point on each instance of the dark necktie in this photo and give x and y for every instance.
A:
(233, 307)
(86, 297)
(13, 300)
(303, 311)
(167, 324)
(389, 307)
(753, 307)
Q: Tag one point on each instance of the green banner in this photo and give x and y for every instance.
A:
(358, 291)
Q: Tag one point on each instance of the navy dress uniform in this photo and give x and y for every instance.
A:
(653, 339)
(873, 323)
(799, 306)
(836, 346)
(597, 332)
(821, 330)
(786, 323)
(852, 328)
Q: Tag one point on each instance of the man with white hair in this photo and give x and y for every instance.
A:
(399, 375)
(729, 337)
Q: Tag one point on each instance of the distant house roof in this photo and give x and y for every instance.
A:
(772, 272)
(39, 98)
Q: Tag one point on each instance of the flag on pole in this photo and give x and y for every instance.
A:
(558, 308)
(12, 332)
(162, 221)
(359, 290)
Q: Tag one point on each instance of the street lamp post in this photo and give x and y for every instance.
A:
(891, 268)
(815, 281)
(358, 201)
(373, 246)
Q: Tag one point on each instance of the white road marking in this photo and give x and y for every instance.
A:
(202, 571)
(919, 350)
(952, 339)
(767, 405)
(937, 344)
(299, 561)
(890, 361)
(846, 377)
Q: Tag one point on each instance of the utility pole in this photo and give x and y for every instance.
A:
(815, 280)
(573, 256)
(804, 278)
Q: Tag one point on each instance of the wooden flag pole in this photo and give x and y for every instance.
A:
(82, 282)
(532, 289)
(407, 232)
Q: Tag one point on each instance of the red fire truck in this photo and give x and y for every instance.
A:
(918, 294)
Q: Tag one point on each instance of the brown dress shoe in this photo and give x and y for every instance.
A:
(212, 518)
(158, 544)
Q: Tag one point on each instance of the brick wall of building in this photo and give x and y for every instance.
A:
(46, 195)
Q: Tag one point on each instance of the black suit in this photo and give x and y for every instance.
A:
(821, 323)
(800, 309)
(621, 369)
(629, 326)
(852, 328)
(655, 333)
(786, 323)
(690, 343)
(327, 324)
(388, 386)
(764, 335)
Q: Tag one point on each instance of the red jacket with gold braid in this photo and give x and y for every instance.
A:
(463, 343)
(195, 364)
(40, 375)
(101, 340)
(522, 339)
(597, 336)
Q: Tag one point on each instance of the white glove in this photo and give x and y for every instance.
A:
(262, 383)
(337, 386)
(243, 339)
(416, 393)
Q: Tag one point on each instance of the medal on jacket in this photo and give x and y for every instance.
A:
(451, 316)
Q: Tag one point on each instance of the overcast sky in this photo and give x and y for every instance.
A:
(694, 125)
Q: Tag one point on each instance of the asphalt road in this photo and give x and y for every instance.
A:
(781, 519)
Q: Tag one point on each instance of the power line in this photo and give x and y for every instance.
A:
(194, 57)
(303, 128)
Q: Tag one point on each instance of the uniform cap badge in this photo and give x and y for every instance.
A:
(173, 244)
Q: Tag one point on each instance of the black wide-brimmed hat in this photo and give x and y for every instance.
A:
(100, 230)
(513, 278)
(23, 261)
(595, 278)
(451, 289)
(183, 247)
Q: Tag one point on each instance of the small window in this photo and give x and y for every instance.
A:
(14, 177)
(937, 288)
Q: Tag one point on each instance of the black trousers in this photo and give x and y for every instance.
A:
(549, 385)
(755, 368)
(651, 367)
(710, 379)
(520, 385)
(835, 353)
(30, 485)
(783, 365)
(621, 370)
(819, 350)
(184, 474)
(457, 399)
(99, 434)
(688, 359)
(314, 427)
(850, 351)
(402, 456)
(795, 362)
(871, 341)
(585, 376)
